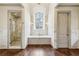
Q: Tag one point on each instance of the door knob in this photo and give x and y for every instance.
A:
(67, 34)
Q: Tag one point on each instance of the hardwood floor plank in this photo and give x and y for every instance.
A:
(39, 50)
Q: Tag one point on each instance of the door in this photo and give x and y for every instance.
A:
(63, 29)
(15, 29)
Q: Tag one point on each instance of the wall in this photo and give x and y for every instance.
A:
(26, 25)
(51, 9)
(74, 41)
(41, 8)
(4, 24)
(51, 24)
(29, 31)
(51, 28)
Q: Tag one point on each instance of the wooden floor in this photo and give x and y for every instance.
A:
(39, 50)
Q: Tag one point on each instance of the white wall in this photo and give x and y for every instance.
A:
(51, 24)
(26, 25)
(74, 24)
(4, 24)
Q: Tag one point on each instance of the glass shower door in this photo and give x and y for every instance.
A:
(15, 24)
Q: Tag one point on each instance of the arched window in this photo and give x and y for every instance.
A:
(39, 20)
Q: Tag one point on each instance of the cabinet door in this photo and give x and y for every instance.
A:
(33, 41)
(45, 40)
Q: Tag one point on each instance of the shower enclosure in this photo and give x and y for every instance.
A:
(15, 29)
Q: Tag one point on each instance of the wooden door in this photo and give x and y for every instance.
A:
(63, 28)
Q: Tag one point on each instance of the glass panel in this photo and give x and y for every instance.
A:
(39, 20)
(15, 28)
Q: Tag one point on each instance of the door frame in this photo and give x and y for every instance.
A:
(68, 26)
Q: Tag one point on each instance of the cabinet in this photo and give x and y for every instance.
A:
(39, 40)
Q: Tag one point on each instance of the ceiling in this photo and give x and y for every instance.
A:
(20, 4)
(68, 4)
(10, 4)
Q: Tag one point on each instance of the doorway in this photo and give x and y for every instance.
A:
(63, 29)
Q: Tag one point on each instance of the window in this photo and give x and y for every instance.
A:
(39, 20)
